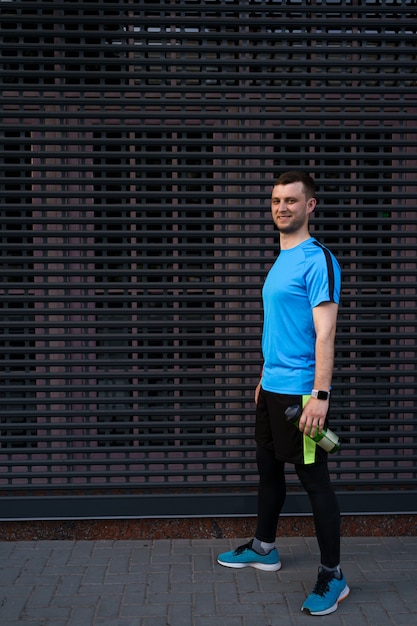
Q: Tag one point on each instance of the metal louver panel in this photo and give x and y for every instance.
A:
(139, 144)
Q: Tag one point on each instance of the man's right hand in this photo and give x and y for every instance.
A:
(257, 390)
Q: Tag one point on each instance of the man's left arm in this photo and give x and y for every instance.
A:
(315, 411)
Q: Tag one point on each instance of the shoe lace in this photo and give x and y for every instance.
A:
(246, 546)
(322, 584)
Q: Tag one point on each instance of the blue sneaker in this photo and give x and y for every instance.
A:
(326, 595)
(244, 556)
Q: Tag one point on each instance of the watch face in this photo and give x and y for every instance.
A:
(322, 395)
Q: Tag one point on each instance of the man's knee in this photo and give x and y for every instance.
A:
(266, 461)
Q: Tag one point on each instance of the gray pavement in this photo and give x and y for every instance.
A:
(178, 583)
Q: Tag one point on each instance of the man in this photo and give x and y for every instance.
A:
(300, 297)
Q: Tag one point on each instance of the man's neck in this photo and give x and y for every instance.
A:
(291, 241)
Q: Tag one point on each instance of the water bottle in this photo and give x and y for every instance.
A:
(327, 439)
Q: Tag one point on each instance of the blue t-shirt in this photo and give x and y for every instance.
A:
(300, 279)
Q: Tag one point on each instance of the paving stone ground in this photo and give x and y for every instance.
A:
(178, 583)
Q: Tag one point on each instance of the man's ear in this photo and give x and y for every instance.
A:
(311, 204)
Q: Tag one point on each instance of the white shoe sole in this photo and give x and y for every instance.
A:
(262, 566)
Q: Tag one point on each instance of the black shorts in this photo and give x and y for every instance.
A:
(272, 430)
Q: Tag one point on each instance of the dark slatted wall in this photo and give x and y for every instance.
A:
(139, 144)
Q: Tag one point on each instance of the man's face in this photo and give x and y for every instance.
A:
(290, 208)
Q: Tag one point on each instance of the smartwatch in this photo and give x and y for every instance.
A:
(320, 395)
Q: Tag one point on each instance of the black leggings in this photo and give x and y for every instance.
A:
(316, 482)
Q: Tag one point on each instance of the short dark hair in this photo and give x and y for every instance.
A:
(295, 177)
